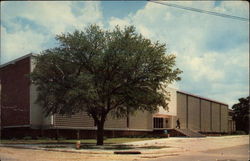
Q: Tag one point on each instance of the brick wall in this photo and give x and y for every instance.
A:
(15, 93)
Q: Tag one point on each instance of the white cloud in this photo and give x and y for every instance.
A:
(20, 43)
(202, 67)
(210, 49)
(238, 56)
(120, 22)
(54, 16)
(42, 21)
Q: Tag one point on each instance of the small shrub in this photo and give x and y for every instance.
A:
(131, 136)
(61, 138)
(240, 132)
(27, 138)
(43, 138)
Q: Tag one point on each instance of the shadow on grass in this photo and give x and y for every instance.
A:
(108, 147)
(121, 147)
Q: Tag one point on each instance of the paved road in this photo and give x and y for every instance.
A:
(236, 153)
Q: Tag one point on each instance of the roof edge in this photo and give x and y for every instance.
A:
(204, 98)
(17, 59)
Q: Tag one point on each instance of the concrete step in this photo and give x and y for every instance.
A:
(189, 133)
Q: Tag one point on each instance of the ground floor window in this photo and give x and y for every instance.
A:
(158, 122)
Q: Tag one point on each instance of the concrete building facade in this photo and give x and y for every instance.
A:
(21, 116)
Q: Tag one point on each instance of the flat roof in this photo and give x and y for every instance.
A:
(17, 59)
(204, 98)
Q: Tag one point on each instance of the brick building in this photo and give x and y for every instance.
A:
(20, 116)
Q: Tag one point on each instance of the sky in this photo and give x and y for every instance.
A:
(212, 51)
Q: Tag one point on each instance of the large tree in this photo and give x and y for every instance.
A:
(101, 72)
(241, 114)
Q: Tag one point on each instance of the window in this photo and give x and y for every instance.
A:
(158, 122)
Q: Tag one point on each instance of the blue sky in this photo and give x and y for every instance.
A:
(212, 51)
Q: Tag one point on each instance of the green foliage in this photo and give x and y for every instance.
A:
(101, 72)
(241, 114)
(61, 138)
(240, 133)
(43, 138)
(27, 138)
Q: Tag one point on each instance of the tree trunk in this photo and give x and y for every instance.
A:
(100, 133)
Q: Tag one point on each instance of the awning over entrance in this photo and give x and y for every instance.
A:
(162, 116)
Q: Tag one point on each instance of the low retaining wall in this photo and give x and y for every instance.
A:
(9, 133)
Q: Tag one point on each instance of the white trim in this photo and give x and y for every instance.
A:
(52, 120)
(152, 122)
(95, 128)
(172, 122)
(16, 126)
(162, 116)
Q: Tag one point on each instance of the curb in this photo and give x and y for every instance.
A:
(55, 150)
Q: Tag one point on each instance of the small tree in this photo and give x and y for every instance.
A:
(101, 72)
(241, 114)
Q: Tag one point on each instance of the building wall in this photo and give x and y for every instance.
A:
(37, 117)
(78, 120)
(224, 118)
(141, 121)
(205, 116)
(231, 122)
(193, 113)
(231, 126)
(182, 109)
(172, 103)
(215, 117)
(15, 95)
(36, 111)
(18, 107)
(112, 122)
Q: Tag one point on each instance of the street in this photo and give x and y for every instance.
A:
(235, 153)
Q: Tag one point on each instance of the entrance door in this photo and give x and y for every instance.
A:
(158, 123)
(167, 123)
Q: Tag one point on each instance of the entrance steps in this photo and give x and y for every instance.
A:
(189, 133)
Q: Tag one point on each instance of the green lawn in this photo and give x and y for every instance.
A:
(61, 141)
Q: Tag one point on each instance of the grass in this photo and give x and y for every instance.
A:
(65, 141)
